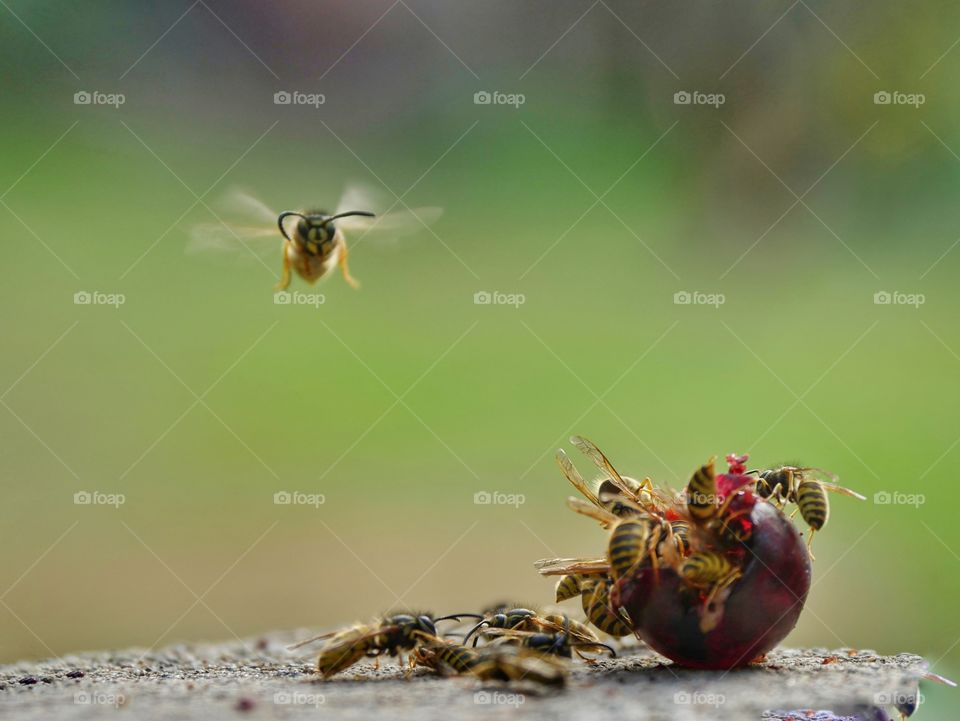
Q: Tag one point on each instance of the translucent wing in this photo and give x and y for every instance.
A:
(394, 223)
(571, 473)
(563, 566)
(240, 203)
(240, 219)
(840, 489)
(597, 513)
(590, 450)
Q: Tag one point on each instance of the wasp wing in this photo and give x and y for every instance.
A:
(590, 450)
(240, 219)
(394, 223)
(564, 566)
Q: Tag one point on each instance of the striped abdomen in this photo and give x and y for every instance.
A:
(702, 493)
(596, 605)
(568, 587)
(628, 546)
(459, 658)
(705, 568)
(813, 504)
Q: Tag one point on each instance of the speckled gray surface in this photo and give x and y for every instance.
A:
(262, 680)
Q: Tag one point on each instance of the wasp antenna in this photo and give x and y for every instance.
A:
(457, 616)
(473, 630)
(283, 216)
(597, 645)
(364, 213)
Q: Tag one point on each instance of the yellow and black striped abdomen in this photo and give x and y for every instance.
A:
(459, 658)
(702, 493)
(627, 546)
(568, 587)
(680, 530)
(596, 606)
(813, 504)
(705, 568)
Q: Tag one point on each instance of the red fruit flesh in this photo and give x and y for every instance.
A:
(762, 608)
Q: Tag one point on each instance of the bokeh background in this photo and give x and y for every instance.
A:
(798, 198)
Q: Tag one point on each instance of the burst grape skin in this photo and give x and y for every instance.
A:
(763, 607)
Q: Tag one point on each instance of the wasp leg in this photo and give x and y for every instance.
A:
(285, 275)
(342, 262)
(810, 545)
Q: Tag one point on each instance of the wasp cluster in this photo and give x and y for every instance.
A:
(702, 535)
(701, 539)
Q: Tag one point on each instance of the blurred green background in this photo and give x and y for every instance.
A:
(200, 398)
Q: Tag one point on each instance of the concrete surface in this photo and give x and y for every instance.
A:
(260, 679)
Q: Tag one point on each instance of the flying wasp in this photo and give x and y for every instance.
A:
(313, 240)
(806, 488)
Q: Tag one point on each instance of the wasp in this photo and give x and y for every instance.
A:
(494, 663)
(702, 494)
(390, 635)
(715, 574)
(806, 488)
(525, 619)
(314, 241)
(616, 496)
(632, 541)
(595, 599)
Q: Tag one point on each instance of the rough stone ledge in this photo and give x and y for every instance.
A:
(260, 679)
